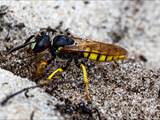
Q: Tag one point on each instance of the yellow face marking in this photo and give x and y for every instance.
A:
(115, 57)
(109, 58)
(86, 53)
(121, 57)
(93, 56)
(102, 58)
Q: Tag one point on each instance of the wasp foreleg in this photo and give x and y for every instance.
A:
(42, 63)
(40, 66)
(58, 70)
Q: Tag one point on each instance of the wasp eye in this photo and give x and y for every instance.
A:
(42, 43)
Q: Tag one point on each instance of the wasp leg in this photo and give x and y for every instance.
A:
(40, 66)
(28, 39)
(53, 73)
(49, 78)
(60, 70)
(80, 64)
(85, 80)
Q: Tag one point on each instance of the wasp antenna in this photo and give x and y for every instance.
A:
(28, 39)
(19, 47)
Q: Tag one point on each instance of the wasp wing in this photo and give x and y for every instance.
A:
(94, 47)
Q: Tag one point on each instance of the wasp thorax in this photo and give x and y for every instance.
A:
(61, 40)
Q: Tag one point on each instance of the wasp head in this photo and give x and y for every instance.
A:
(42, 42)
(38, 42)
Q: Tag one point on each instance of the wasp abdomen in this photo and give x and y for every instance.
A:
(97, 56)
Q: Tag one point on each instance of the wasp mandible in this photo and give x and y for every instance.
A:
(69, 47)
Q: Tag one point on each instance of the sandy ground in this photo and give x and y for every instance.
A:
(127, 90)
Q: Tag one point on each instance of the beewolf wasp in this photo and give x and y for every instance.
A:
(66, 46)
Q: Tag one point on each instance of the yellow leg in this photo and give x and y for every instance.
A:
(49, 78)
(54, 72)
(85, 82)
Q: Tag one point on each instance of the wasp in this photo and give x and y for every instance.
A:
(71, 48)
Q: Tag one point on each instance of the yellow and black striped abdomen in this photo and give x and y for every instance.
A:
(98, 56)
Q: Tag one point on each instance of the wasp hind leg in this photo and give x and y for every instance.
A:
(81, 65)
(85, 80)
